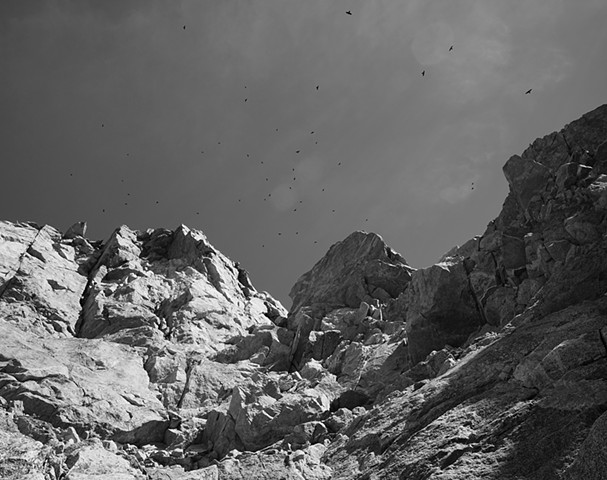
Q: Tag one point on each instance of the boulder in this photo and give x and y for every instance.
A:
(43, 279)
(97, 386)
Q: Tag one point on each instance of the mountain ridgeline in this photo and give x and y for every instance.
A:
(152, 355)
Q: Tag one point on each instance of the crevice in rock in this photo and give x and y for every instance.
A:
(477, 302)
(9, 282)
(191, 364)
(88, 288)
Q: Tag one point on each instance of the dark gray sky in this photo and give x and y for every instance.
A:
(107, 103)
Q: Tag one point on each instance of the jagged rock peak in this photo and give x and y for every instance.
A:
(359, 268)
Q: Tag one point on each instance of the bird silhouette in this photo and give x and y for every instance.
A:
(245, 99)
(451, 48)
(349, 12)
(103, 210)
(184, 27)
(102, 125)
(423, 73)
(317, 87)
(297, 151)
(528, 91)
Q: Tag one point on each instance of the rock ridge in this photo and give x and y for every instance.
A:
(152, 355)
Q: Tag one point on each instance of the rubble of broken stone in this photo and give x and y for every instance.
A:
(152, 355)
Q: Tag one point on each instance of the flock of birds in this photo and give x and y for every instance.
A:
(267, 179)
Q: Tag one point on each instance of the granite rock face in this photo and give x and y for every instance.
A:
(153, 356)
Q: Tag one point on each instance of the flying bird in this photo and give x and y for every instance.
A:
(528, 91)
(245, 99)
(184, 27)
(297, 151)
(349, 12)
(451, 48)
(423, 73)
(317, 87)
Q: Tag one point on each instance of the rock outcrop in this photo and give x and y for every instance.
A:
(153, 356)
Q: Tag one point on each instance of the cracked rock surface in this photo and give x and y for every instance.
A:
(152, 355)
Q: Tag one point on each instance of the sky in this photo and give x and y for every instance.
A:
(279, 127)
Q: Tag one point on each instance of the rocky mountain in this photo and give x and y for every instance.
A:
(153, 356)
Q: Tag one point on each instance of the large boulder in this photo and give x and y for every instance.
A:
(42, 277)
(95, 386)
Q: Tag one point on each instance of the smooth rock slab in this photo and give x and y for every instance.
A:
(92, 385)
